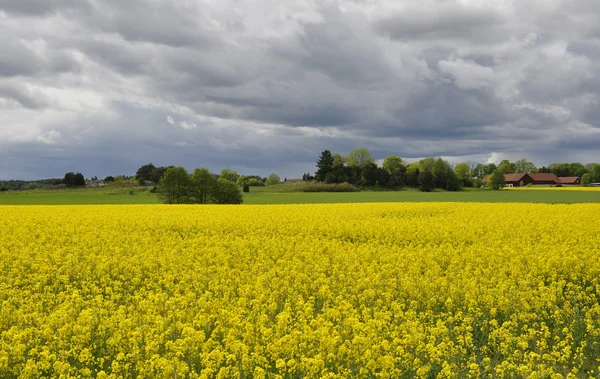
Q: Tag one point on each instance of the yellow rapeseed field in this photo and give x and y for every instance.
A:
(351, 290)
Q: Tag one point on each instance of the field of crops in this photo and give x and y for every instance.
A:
(349, 290)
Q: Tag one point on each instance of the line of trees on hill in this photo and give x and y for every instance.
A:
(360, 169)
(357, 169)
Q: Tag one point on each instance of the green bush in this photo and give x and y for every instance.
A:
(227, 192)
(3, 189)
(322, 187)
(256, 183)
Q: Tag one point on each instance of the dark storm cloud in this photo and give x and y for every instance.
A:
(442, 20)
(20, 58)
(42, 7)
(25, 97)
(104, 86)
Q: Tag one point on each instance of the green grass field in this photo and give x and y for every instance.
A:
(264, 196)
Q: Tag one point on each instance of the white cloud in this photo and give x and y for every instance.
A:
(186, 125)
(50, 138)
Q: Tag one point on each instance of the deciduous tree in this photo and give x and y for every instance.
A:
(360, 157)
(273, 180)
(463, 173)
(175, 186)
(393, 164)
(227, 192)
(496, 180)
(228, 174)
(203, 185)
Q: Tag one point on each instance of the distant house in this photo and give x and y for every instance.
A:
(536, 179)
(573, 180)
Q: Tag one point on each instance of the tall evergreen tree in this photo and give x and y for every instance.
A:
(324, 165)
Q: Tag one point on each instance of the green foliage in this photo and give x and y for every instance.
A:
(523, 166)
(324, 165)
(360, 157)
(452, 182)
(273, 180)
(227, 192)
(228, 174)
(480, 170)
(586, 179)
(426, 181)
(202, 186)
(594, 170)
(175, 187)
(412, 174)
(441, 171)
(246, 188)
(74, 179)
(109, 179)
(145, 172)
(393, 164)
(496, 180)
(569, 169)
(331, 178)
(339, 160)
(506, 167)
(3, 189)
(242, 181)
(321, 187)
(253, 182)
(463, 173)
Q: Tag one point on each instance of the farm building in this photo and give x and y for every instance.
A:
(515, 180)
(574, 180)
(543, 178)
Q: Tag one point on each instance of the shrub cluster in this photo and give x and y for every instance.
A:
(201, 187)
(323, 187)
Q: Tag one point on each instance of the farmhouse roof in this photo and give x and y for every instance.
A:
(568, 179)
(543, 177)
(513, 177)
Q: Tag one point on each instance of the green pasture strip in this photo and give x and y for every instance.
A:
(67, 197)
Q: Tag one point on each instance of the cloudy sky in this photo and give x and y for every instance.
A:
(104, 86)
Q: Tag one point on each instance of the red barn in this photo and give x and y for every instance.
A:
(572, 180)
(536, 179)
(543, 178)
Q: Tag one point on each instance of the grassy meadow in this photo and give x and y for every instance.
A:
(285, 194)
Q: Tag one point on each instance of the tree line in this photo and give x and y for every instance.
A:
(360, 169)
(177, 186)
